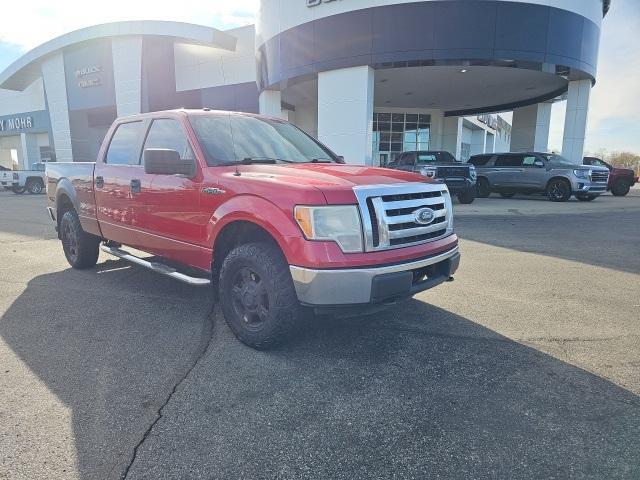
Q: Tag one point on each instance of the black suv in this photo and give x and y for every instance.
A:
(460, 178)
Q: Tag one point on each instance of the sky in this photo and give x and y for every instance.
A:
(614, 117)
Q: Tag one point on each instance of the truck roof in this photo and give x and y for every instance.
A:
(191, 112)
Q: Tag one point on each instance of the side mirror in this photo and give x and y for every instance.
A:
(162, 161)
(341, 159)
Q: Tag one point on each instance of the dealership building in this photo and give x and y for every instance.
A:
(369, 78)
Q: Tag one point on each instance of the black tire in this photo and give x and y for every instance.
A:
(621, 187)
(80, 248)
(586, 198)
(35, 186)
(18, 190)
(558, 190)
(483, 189)
(467, 196)
(507, 195)
(257, 296)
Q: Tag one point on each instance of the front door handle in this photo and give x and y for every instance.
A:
(135, 186)
(99, 182)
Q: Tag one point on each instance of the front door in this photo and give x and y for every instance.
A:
(168, 208)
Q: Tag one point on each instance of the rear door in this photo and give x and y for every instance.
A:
(113, 178)
(508, 171)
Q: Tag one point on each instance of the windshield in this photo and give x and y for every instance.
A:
(559, 161)
(430, 157)
(234, 138)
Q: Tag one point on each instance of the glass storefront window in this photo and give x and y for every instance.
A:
(399, 132)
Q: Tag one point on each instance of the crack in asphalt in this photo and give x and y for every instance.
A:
(205, 340)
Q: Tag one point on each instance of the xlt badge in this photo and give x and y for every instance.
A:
(213, 191)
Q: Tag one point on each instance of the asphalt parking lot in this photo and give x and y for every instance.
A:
(527, 366)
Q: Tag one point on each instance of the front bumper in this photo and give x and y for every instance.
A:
(372, 285)
(592, 188)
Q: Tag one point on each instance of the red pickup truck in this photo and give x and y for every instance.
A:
(254, 207)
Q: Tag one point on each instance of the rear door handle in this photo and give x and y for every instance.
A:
(135, 186)
(99, 182)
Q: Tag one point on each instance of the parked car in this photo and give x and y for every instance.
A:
(19, 181)
(546, 173)
(261, 210)
(620, 179)
(460, 178)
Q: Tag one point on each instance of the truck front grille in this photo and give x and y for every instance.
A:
(445, 172)
(599, 176)
(388, 214)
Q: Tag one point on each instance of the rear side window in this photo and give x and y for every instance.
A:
(124, 144)
(509, 161)
(480, 160)
(167, 134)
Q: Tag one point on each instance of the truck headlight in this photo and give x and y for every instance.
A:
(472, 173)
(339, 223)
(428, 172)
(582, 173)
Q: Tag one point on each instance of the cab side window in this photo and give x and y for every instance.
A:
(124, 144)
(407, 159)
(509, 161)
(166, 133)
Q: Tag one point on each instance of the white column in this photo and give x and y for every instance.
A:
(55, 87)
(452, 136)
(530, 130)
(575, 123)
(270, 103)
(490, 146)
(29, 149)
(127, 74)
(345, 113)
(478, 141)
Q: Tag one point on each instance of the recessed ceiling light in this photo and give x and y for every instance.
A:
(383, 80)
(530, 88)
(464, 70)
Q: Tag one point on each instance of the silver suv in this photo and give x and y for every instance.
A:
(547, 173)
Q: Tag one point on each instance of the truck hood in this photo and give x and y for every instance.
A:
(335, 181)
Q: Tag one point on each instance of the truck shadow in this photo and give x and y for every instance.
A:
(413, 391)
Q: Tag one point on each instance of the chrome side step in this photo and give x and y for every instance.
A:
(156, 267)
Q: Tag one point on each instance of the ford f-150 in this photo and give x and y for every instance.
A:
(259, 210)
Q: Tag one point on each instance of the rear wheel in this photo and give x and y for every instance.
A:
(621, 187)
(257, 295)
(586, 198)
(18, 190)
(80, 248)
(483, 188)
(35, 186)
(507, 195)
(558, 190)
(467, 196)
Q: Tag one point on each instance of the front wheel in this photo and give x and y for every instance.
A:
(18, 190)
(586, 198)
(558, 190)
(467, 196)
(483, 188)
(257, 296)
(80, 248)
(621, 188)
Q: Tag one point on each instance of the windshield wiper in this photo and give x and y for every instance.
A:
(321, 160)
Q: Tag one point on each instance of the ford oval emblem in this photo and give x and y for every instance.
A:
(424, 216)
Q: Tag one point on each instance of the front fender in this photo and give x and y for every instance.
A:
(250, 208)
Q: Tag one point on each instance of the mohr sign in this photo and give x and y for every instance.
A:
(17, 123)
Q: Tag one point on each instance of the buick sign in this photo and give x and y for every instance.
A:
(424, 216)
